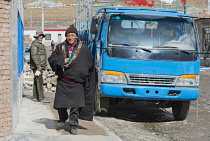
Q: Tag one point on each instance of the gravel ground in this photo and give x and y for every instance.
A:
(133, 123)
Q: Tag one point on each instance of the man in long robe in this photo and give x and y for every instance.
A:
(73, 63)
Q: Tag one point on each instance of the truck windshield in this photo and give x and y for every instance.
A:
(152, 32)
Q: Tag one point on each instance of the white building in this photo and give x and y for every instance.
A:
(55, 34)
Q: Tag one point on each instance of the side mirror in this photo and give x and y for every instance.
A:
(93, 29)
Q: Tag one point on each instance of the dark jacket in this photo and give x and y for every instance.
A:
(76, 83)
(38, 57)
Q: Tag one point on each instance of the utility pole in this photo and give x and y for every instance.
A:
(208, 6)
(31, 19)
(42, 17)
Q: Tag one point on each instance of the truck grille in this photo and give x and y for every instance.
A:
(151, 79)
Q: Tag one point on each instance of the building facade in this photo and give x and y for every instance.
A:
(11, 64)
(55, 34)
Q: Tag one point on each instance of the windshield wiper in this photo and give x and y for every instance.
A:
(131, 46)
(164, 47)
(144, 49)
(185, 51)
(119, 44)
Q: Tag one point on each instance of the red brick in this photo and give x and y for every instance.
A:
(4, 29)
(7, 45)
(6, 86)
(3, 120)
(5, 128)
(5, 20)
(5, 105)
(4, 58)
(5, 67)
(6, 62)
(7, 53)
(5, 40)
(6, 7)
(4, 77)
(5, 25)
(5, 110)
(4, 11)
(5, 100)
(5, 48)
(6, 34)
(7, 90)
(5, 115)
(3, 2)
(1, 91)
(6, 16)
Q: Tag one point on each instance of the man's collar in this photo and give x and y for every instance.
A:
(40, 41)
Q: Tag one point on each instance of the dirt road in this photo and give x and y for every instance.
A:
(132, 123)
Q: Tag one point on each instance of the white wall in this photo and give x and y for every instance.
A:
(30, 32)
(54, 36)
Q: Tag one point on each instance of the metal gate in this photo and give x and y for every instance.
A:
(87, 8)
(206, 46)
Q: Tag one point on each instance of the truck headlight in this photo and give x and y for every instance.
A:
(188, 81)
(113, 77)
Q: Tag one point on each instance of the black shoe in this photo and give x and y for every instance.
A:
(73, 130)
(60, 125)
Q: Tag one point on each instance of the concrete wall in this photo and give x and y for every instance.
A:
(17, 81)
(10, 83)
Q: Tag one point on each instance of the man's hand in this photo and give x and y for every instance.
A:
(66, 60)
(39, 68)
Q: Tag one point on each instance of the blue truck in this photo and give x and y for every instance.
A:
(147, 56)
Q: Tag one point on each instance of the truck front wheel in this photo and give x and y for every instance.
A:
(180, 109)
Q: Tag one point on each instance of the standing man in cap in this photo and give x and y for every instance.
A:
(38, 61)
(73, 63)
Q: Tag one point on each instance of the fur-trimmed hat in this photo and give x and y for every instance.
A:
(39, 33)
(71, 29)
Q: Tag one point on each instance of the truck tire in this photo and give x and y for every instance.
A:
(101, 104)
(180, 109)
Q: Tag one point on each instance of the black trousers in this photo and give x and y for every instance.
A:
(73, 118)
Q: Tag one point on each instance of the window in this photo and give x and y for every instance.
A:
(48, 37)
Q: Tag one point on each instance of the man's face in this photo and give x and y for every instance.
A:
(40, 38)
(71, 38)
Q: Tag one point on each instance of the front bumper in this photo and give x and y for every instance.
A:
(149, 92)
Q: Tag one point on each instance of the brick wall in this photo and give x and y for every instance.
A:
(5, 72)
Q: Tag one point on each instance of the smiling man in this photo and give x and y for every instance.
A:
(73, 63)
